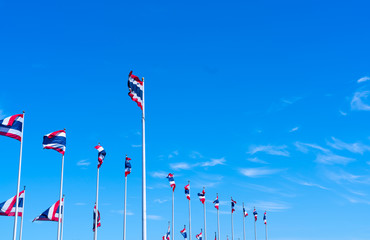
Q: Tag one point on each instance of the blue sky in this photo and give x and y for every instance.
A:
(262, 101)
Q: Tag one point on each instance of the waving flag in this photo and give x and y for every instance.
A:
(187, 191)
(172, 181)
(55, 140)
(245, 213)
(101, 154)
(12, 126)
(232, 205)
(264, 218)
(99, 224)
(183, 233)
(255, 215)
(127, 166)
(202, 196)
(136, 88)
(167, 236)
(216, 202)
(199, 236)
(7, 208)
(50, 214)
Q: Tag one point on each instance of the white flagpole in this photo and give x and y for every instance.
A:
(24, 200)
(243, 223)
(61, 233)
(143, 170)
(255, 233)
(173, 215)
(205, 222)
(124, 209)
(96, 205)
(189, 214)
(232, 224)
(218, 222)
(19, 182)
(60, 196)
(266, 230)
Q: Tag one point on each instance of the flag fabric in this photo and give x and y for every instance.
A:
(99, 224)
(55, 140)
(264, 218)
(199, 236)
(101, 154)
(187, 191)
(245, 213)
(202, 196)
(136, 88)
(127, 166)
(167, 236)
(232, 205)
(51, 214)
(7, 208)
(183, 233)
(172, 181)
(12, 126)
(216, 202)
(255, 215)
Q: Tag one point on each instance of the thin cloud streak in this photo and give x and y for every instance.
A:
(258, 172)
(352, 147)
(269, 149)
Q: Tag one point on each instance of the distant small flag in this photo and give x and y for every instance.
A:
(232, 205)
(245, 213)
(255, 215)
(167, 236)
(98, 220)
(172, 181)
(12, 126)
(50, 214)
(7, 208)
(215, 236)
(264, 218)
(187, 191)
(183, 233)
(202, 196)
(217, 203)
(136, 88)
(127, 166)
(199, 236)
(55, 140)
(101, 154)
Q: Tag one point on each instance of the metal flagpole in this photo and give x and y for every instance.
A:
(266, 230)
(218, 222)
(255, 233)
(143, 170)
(124, 210)
(60, 195)
(19, 182)
(96, 206)
(243, 223)
(232, 224)
(189, 214)
(24, 199)
(61, 233)
(205, 222)
(173, 214)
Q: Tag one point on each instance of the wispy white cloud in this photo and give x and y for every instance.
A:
(307, 183)
(173, 154)
(352, 147)
(270, 206)
(121, 212)
(294, 129)
(341, 176)
(159, 174)
(343, 113)
(363, 79)
(331, 158)
(160, 200)
(83, 163)
(180, 166)
(186, 166)
(258, 172)
(256, 160)
(195, 155)
(136, 145)
(282, 104)
(304, 147)
(359, 101)
(270, 149)
(154, 217)
(213, 162)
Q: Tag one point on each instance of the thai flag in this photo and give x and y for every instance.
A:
(264, 218)
(232, 205)
(12, 126)
(136, 88)
(255, 215)
(99, 224)
(183, 233)
(216, 202)
(202, 196)
(127, 166)
(7, 208)
(187, 191)
(55, 140)
(172, 181)
(167, 236)
(101, 154)
(245, 213)
(51, 214)
(199, 236)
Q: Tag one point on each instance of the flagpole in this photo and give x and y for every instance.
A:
(124, 209)
(232, 224)
(60, 196)
(18, 184)
(143, 170)
(24, 200)
(96, 206)
(218, 222)
(205, 222)
(189, 213)
(173, 214)
(243, 223)
(61, 234)
(266, 230)
(255, 233)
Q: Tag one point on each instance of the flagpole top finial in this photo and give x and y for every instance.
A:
(142, 79)
(24, 111)
(188, 181)
(64, 129)
(24, 187)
